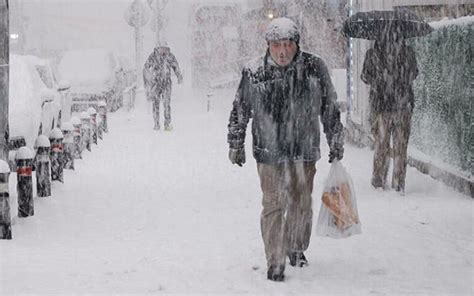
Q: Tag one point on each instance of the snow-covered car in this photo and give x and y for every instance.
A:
(35, 103)
(95, 75)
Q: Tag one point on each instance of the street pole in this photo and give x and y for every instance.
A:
(157, 6)
(5, 218)
(139, 53)
(136, 16)
(157, 21)
(4, 78)
(24, 183)
(42, 163)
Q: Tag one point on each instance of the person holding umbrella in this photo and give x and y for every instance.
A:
(389, 69)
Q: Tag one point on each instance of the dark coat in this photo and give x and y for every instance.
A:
(157, 70)
(285, 104)
(390, 71)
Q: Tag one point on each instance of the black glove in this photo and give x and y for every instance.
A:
(337, 152)
(237, 156)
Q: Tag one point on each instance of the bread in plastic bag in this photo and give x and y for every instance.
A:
(338, 216)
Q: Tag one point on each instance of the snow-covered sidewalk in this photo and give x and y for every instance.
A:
(165, 212)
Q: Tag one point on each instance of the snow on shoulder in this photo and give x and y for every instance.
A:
(254, 64)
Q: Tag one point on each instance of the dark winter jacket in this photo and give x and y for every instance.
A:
(390, 71)
(157, 69)
(285, 104)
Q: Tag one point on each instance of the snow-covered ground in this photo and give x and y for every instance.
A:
(165, 212)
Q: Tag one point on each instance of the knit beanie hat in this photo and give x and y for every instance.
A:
(282, 28)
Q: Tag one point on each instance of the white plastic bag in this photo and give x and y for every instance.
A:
(338, 217)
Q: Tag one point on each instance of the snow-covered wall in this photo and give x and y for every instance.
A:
(443, 115)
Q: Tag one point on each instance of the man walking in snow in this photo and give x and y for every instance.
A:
(390, 68)
(285, 92)
(157, 80)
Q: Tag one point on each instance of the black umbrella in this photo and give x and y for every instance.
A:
(379, 25)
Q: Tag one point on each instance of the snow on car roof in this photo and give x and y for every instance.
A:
(87, 67)
(35, 60)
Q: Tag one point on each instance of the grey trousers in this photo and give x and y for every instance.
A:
(165, 96)
(287, 216)
(393, 126)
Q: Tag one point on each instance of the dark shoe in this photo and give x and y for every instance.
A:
(398, 186)
(297, 259)
(156, 127)
(276, 273)
(377, 183)
(400, 190)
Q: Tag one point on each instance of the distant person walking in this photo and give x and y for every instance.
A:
(157, 80)
(390, 68)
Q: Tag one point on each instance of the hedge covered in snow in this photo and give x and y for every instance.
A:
(443, 116)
